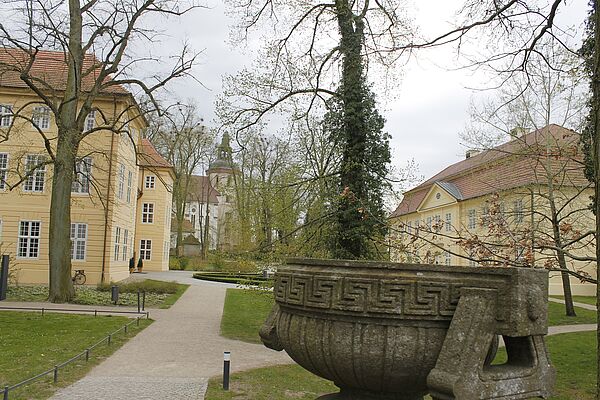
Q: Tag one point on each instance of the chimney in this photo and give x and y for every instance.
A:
(471, 152)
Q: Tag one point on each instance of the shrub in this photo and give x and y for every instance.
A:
(148, 285)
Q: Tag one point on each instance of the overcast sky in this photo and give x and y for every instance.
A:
(431, 105)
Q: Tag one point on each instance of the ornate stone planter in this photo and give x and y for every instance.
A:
(400, 331)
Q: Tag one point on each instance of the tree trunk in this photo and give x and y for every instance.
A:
(61, 285)
(69, 136)
(595, 107)
(566, 283)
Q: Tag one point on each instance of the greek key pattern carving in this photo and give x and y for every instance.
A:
(403, 299)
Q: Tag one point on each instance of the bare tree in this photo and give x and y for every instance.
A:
(94, 37)
(180, 136)
(318, 66)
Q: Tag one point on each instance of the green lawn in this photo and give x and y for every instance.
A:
(31, 343)
(246, 310)
(158, 294)
(591, 300)
(573, 355)
(556, 315)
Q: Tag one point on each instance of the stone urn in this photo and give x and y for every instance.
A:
(400, 331)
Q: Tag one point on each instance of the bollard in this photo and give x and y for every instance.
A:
(126, 328)
(87, 355)
(144, 300)
(42, 311)
(226, 367)
(138, 299)
(137, 321)
(4, 277)
(109, 339)
(114, 294)
(55, 373)
(5, 397)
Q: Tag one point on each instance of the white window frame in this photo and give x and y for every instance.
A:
(79, 233)
(129, 181)
(150, 182)
(117, 243)
(125, 244)
(90, 121)
(6, 115)
(472, 218)
(121, 189)
(4, 158)
(448, 222)
(30, 241)
(519, 214)
(147, 213)
(448, 258)
(146, 249)
(83, 176)
(41, 117)
(35, 181)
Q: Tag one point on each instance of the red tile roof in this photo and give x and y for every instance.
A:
(513, 164)
(200, 189)
(48, 66)
(149, 157)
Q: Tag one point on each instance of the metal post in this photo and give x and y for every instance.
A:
(126, 328)
(87, 355)
(55, 373)
(4, 277)
(226, 367)
(42, 311)
(5, 397)
(144, 300)
(138, 299)
(109, 338)
(137, 321)
(114, 294)
(95, 313)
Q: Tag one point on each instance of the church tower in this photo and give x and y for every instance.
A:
(220, 171)
(221, 174)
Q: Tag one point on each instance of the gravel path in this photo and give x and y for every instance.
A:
(576, 304)
(174, 357)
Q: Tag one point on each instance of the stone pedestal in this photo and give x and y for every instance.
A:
(385, 331)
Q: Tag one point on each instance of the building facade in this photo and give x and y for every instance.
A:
(107, 193)
(524, 203)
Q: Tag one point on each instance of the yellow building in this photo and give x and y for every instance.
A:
(108, 196)
(497, 207)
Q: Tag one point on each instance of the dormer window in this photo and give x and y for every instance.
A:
(150, 182)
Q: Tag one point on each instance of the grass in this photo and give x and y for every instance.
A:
(556, 315)
(279, 382)
(244, 312)
(573, 355)
(591, 300)
(40, 342)
(158, 293)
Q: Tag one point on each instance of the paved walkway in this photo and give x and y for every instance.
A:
(576, 304)
(174, 357)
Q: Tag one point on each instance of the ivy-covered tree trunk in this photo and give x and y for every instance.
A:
(365, 155)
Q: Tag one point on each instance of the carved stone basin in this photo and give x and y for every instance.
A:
(400, 331)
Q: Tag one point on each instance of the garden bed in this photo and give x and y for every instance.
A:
(158, 294)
